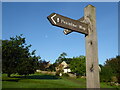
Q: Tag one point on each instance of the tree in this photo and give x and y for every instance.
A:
(52, 67)
(78, 66)
(118, 68)
(0, 56)
(28, 65)
(112, 66)
(17, 58)
(43, 65)
(61, 57)
(106, 74)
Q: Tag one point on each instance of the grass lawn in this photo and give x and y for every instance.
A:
(45, 81)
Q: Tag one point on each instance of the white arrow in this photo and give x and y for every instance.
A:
(53, 19)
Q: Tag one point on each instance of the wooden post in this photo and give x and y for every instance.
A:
(92, 70)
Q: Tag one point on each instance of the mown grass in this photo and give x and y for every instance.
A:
(45, 81)
(37, 81)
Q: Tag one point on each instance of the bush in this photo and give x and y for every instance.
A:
(106, 74)
(58, 73)
(65, 75)
(110, 72)
(114, 79)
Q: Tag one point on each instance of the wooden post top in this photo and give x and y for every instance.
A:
(90, 6)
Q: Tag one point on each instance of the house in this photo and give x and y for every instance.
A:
(66, 70)
(63, 67)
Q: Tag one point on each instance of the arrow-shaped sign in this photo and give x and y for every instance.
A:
(53, 19)
(67, 23)
(67, 31)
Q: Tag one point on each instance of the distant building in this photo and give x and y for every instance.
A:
(64, 67)
(66, 70)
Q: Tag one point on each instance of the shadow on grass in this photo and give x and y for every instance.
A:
(37, 77)
(11, 79)
(17, 78)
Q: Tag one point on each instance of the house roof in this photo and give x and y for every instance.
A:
(67, 67)
(63, 63)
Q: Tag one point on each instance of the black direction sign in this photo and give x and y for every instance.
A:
(67, 23)
(67, 31)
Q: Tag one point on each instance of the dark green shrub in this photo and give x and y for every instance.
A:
(106, 74)
(65, 75)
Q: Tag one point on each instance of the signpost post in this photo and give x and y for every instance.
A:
(92, 69)
(85, 25)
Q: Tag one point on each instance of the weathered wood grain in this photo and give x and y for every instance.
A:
(92, 70)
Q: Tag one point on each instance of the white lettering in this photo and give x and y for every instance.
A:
(81, 27)
(68, 23)
(58, 19)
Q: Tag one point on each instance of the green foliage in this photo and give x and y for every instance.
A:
(114, 63)
(106, 74)
(78, 66)
(57, 73)
(43, 65)
(111, 70)
(0, 57)
(51, 67)
(65, 75)
(61, 57)
(17, 58)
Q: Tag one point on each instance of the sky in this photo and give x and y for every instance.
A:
(30, 19)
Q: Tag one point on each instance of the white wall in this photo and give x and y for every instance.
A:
(67, 70)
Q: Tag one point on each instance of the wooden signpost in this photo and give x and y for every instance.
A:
(85, 25)
(67, 31)
(67, 23)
